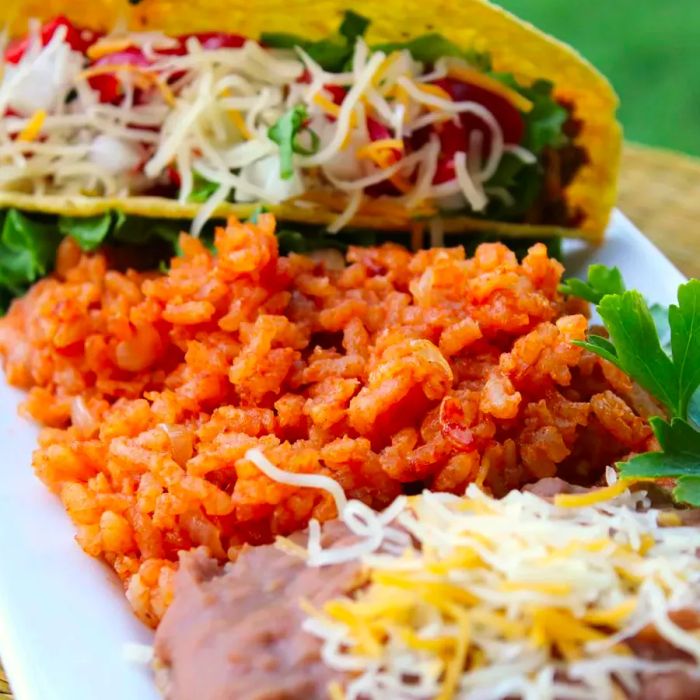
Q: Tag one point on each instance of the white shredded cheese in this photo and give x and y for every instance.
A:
(472, 191)
(209, 111)
(520, 597)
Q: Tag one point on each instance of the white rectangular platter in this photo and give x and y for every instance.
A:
(64, 620)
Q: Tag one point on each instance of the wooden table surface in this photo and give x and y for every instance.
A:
(660, 192)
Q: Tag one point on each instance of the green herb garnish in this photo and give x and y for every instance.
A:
(285, 132)
(634, 345)
(27, 250)
(544, 122)
(331, 53)
(428, 48)
(661, 352)
(89, 232)
(202, 188)
(602, 280)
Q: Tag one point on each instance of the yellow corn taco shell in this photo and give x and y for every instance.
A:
(514, 46)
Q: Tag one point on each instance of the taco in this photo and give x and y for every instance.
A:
(418, 116)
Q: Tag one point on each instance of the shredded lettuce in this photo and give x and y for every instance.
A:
(202, 188)
(543, 129)
(89, 232)
(427, 48)
(27, 250)
(28, 243)
(331, 53)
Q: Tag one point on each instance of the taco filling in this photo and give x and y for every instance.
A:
(424, 128)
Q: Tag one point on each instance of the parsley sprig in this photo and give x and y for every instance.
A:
(668, 368)
(602, 280)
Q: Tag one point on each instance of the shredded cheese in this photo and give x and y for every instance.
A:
(589, 498)
(474, 77)
(240, 124)
(373, 147)
(105, 47)
(435, 91)
(471, 190)
(31, 131)
(210, 111)
(517, 597)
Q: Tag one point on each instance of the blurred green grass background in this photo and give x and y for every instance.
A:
(647, 48)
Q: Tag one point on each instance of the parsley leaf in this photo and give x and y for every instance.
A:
(636, 346)
(680, 455)
(660, 315)
(688, 490)
(284, 133)
(694, 410)
(602, 280)
(684, 320)
(679, 459)
(660, 350)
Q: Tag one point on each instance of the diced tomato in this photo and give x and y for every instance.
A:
(77, 39)
(455, 135)
(378, 132)
(208, 40)
(337, 92)
(174, 175)
(453, 138)
(453, 425)
(218, 40)
(132, 56)
(107, 84)
(507, 116)
(305, 77)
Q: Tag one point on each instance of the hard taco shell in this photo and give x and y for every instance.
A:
(514, 46)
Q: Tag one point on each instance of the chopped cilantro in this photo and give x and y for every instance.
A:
(285, 131)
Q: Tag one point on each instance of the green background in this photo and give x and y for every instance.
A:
(649, 49)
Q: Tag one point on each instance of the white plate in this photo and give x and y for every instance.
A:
(64, 620)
